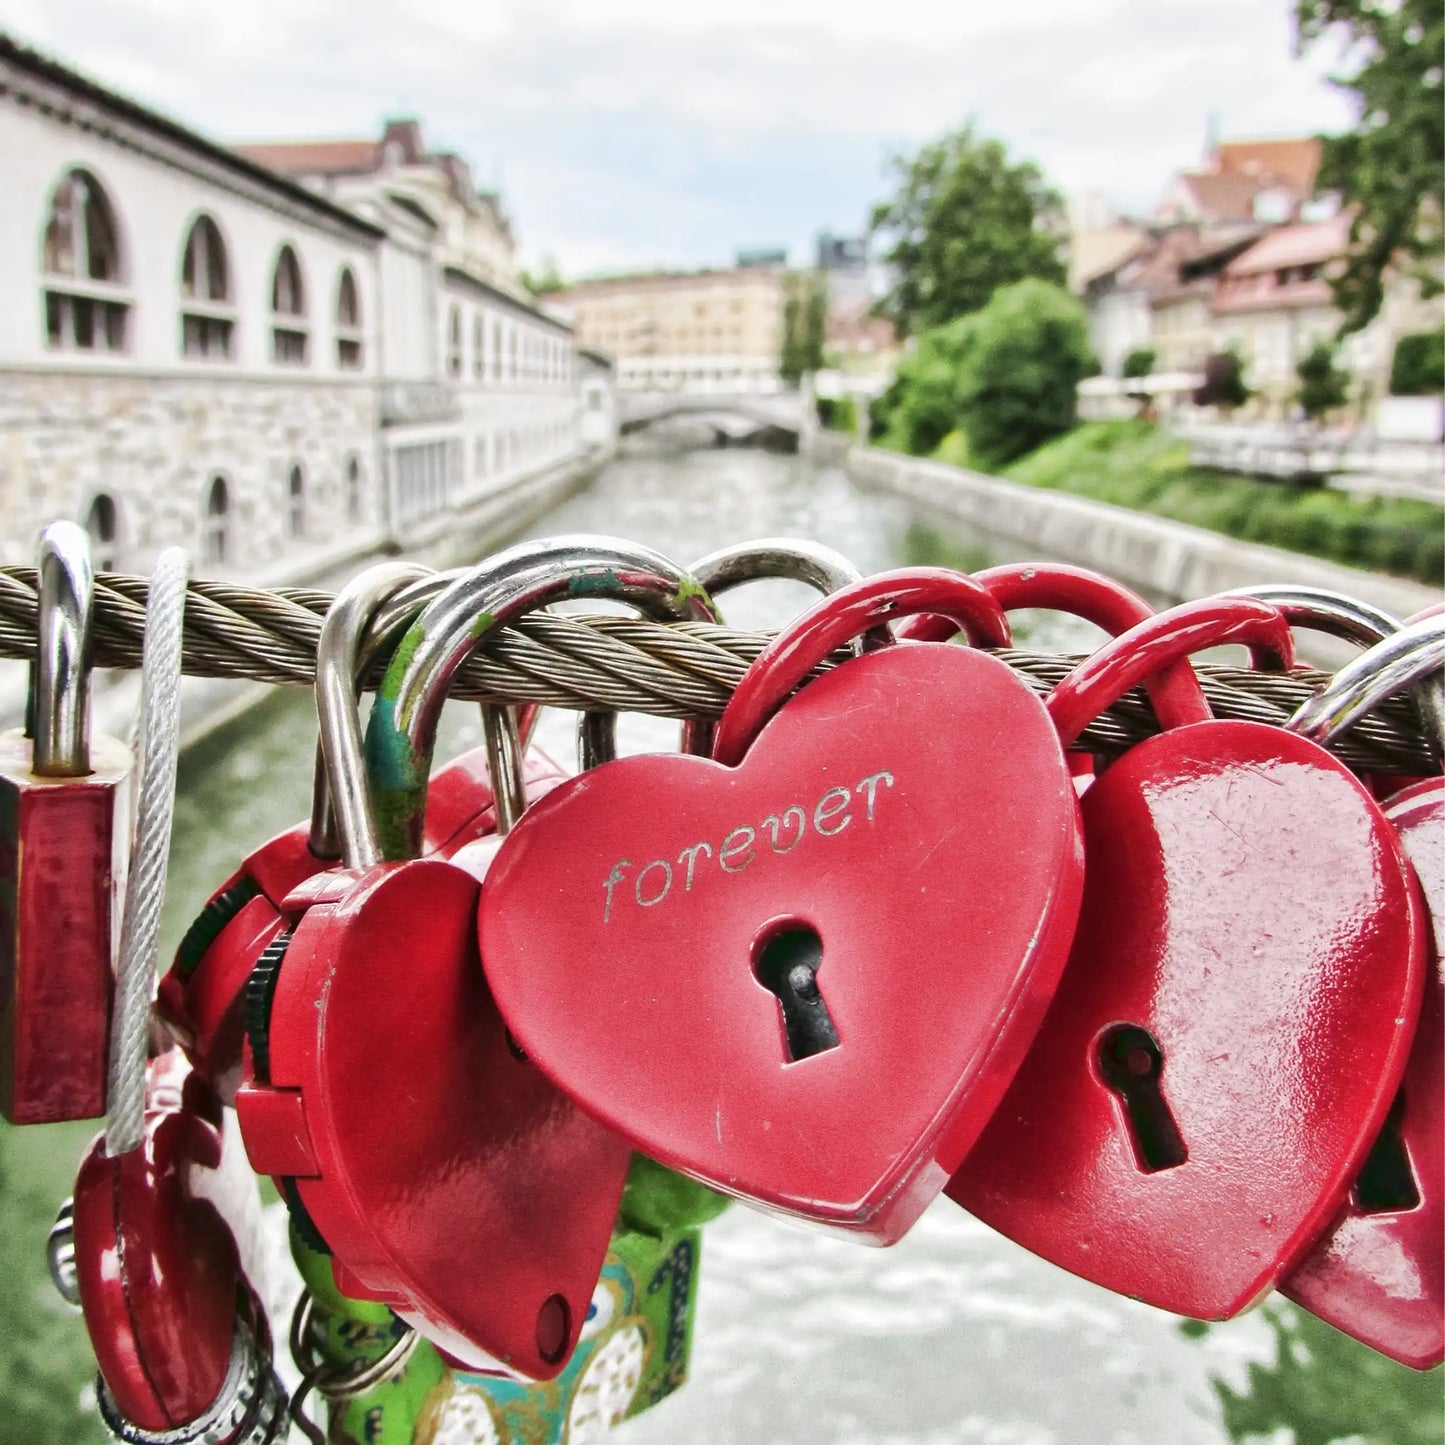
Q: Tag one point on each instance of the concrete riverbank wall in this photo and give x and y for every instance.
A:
(1150, 553)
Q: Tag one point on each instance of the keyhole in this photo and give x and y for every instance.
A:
(787, 965)
(1386, 1184)
(1131, 1063)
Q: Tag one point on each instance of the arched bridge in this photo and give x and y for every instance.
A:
(789, 411)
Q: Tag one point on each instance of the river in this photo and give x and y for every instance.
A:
(955, 1334)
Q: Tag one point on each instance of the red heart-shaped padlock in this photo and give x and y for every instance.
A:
(653, 930)
(1236, 1010)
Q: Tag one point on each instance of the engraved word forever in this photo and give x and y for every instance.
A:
(831, 814)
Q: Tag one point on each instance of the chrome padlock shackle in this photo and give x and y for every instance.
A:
(401, 735)
(57, 715)
(1403, 660)
(1352, 620)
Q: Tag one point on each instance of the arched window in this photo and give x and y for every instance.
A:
(288, 311)
(454, 341)
(296, 502)
(216, 522)
(348, 322)
(208, 318)
(86, 306)
(353, 489)
(479, 346)
(102, 522)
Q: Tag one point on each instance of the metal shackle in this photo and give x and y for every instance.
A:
(58, 719)
(1414, 654)
(402, 732)
(364, 618)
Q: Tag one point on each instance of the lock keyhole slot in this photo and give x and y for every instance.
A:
(1386, 1183)
(786, 961)
(1131, 1064)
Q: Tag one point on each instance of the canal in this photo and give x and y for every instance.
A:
(955, 1334)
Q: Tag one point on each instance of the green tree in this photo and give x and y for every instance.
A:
(1223, 385)
(1139, 362)
(1322, 384)
(1021, 364)
(1392, 165)
(1418, 366)
(923, 402)
(547, 280)
(965, 221)
(805, 325)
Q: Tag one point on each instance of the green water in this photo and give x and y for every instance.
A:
(954, 1334)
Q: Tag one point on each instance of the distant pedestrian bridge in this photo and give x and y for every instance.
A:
(785, 411)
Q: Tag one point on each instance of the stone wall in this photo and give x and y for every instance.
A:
(153, 444)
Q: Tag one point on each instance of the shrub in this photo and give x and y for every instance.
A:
(1418, 368)
(837, 413)
(923, 401)
(1139, 362)
(1223, 384)
(1022, 360)
(1322, 385)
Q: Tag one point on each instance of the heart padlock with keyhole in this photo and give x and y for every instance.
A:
(201, 996)
(1379, 1273)
(803, 972)
(1236, 1009)
(451, 1179)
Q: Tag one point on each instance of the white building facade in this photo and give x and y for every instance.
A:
(199, 350)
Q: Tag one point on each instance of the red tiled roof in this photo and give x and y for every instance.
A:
(1223, 195)
(1293, 162)
(311, 157)
(1307, 244)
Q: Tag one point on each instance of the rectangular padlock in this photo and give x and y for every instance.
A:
(62, 858)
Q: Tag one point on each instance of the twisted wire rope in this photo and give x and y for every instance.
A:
(626, 664)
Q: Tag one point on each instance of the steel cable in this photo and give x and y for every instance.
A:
(625, 664)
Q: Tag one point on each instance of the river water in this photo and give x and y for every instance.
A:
(955, 1334)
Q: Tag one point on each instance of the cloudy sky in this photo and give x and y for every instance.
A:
(637, 132)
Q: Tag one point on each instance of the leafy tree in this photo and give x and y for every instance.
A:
(547, 280)
(1392, 165)
(1025, 354)
(1139, 362)
(1418, 367)
(923, 403)
(805, 325)
(1322, 385)
(965, 221)
(1223, 385)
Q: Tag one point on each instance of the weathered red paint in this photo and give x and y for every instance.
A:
(1380, 1276)
(450, 1177)
(1247, 904)
(157, 1267)
(57, 905)
(944, 894)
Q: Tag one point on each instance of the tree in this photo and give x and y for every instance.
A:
(965, 221)
(805, 325)
(1139, 362)
(1021, 364)
(1223, 385)
(922, 404)
(1323, 386)
(1391, 167)
(547, 280)
(1418, 366)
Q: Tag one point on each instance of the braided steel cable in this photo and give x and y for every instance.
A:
(626, 664)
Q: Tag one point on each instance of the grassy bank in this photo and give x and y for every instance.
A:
(1136, 464)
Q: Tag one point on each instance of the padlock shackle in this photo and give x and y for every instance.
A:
(60, 724)
(1409, 657)
(792, 559)
(1175, 693)
(837, 620)
(364, 617)
(1127, 660)
(401, 734)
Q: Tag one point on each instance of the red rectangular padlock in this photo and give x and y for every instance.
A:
(59, 873)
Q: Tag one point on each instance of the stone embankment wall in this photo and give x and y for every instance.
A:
(1157, 556)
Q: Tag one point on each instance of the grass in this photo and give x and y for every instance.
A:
(1136, 464)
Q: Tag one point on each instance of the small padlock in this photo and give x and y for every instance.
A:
(449, 1177)
(62, 827)
(1378, 1273)
(814, 962)
(180, 1336)
(200, 998)
(1236, 1009)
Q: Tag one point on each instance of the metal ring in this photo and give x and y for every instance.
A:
(332, 1381)
(60, 726)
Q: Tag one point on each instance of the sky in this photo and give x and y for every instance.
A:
(633, 133)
